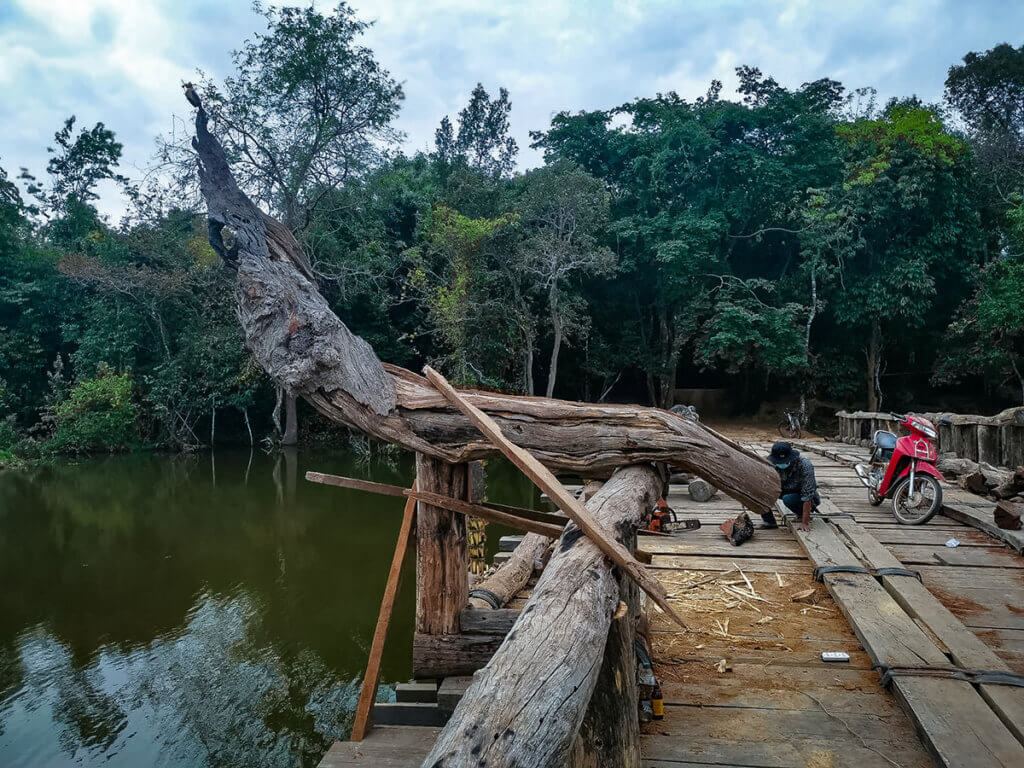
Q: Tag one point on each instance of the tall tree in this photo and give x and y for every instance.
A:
(917, 233)
(482, 140)
(307, 108)
(565, 211)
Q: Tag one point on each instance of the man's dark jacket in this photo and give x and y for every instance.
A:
(798, 477)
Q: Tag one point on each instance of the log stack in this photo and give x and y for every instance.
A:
(984, 479)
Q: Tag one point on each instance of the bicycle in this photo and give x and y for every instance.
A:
(790, 426)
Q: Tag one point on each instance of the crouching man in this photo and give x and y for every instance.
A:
(799, 488)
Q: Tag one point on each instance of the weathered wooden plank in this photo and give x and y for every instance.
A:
(487, 513)
(389, 746)
(957, 725)
(452, 655)
(779, 548)
(964, 647)
(983, 518)
(382, 489)
(974, 557)
(839, 688)
(773, 749)
(750, 564)
(368, 692)
(493, 622)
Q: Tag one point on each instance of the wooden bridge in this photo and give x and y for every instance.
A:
(745, 681)
(747, 685)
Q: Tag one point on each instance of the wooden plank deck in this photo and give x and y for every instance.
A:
(778, 705)
(981, 581)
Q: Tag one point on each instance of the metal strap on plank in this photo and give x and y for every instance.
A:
(975, 676)
(878, 573)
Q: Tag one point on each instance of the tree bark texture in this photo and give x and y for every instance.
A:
(305, 348)
(556, 332)
(291, 421)
(442, 557)
(526, 706)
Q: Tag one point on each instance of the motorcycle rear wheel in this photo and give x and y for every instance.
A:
(874, 499)
(918, 505)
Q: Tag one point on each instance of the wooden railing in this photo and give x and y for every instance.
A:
(997, 440)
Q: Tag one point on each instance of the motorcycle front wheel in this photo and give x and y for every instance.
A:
(917, 505)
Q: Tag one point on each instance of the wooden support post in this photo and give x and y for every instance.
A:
(368, 693)
(442, 559)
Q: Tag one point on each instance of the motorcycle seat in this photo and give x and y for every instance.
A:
(884, 443)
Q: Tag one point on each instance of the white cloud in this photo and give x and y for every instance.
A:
(121, 62)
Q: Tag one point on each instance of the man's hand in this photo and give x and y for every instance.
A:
(805, 523)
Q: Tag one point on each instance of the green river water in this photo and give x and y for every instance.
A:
(196, 611)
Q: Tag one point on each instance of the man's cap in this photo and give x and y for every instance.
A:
(782, 454)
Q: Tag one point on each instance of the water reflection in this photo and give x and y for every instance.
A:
(201, 611)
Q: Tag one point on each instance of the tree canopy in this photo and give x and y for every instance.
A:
(784, 243)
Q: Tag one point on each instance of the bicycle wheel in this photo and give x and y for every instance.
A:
(789, 428)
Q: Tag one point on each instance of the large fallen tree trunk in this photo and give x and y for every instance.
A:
(526, 706)
(306, 349)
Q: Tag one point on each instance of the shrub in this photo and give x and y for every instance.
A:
(97, 415)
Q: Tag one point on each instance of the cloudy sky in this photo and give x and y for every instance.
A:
(122, 61)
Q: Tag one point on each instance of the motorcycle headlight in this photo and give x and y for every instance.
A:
(927, 432)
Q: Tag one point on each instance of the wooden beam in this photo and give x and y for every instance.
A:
(448, 655)
(548, 483)
(512, 576)
(491, 515)
(355, 484)
(368, 693)
(442, 555)
(384, 489)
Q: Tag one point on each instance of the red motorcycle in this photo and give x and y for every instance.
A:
(902, 469)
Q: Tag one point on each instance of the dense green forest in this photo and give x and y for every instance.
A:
(788, 243)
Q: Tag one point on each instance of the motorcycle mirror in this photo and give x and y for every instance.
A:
(946, 421)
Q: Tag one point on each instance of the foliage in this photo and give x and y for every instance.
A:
(483, 139)
(307, 108)
(449, 274)
(903, 127)
(788, 242)
(98, 414)
(77, 165)
(988, 332)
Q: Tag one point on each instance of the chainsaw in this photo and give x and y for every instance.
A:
(664, 520)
